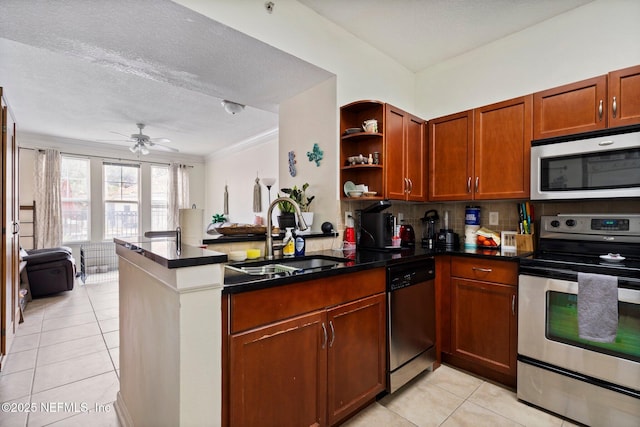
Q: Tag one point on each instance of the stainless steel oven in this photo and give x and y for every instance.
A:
(595, 383)
(601, 164)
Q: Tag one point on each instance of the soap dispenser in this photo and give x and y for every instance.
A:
(289, 244)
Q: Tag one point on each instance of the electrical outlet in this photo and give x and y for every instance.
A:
(400, 216)
(494, 218)
(347, 217)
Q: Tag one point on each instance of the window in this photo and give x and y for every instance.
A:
(159, 197)
(121, 199)
(75, 196)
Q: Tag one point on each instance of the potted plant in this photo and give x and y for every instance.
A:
(217, 220)
(288, 211)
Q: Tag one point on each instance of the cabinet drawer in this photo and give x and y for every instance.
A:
(254, 308)
(488, 270)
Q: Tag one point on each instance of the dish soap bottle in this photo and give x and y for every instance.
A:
(299, 245)
(289, 244)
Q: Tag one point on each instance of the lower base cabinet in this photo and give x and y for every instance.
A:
(483, 318)
(313, 369)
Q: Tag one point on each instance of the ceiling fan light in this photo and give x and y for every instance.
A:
(134, 149)
(144, 150)
(232, 107)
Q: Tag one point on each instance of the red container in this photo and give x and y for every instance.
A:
(350, 235)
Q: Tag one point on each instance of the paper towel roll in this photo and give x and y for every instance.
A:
(470, 237)
(191, 225)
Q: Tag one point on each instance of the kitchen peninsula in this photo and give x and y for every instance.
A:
(170, 334)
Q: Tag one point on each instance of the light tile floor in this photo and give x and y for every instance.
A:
(452, 398)
(62, 369)
(64, 365)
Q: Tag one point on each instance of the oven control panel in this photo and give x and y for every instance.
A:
(591, 224)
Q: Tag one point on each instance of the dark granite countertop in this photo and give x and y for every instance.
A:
(236, 282)
(163, 251)
(219, 238)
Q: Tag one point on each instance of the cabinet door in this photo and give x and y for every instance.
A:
(450, 157)
(278, 374)
(357, 355)
(395, 132)
(483, 324)
(502, 150)
(573, 108)
(624, 97)
(416, 159)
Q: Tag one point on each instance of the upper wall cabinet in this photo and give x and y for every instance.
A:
(481, 154)
(406, 156)
(605, 101)
(624, 92)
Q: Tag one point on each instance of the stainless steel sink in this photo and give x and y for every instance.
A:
(287, 266)
(263, 270)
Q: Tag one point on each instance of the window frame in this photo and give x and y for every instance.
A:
(88, 200)
(106, 201)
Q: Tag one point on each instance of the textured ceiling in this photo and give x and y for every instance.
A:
(421, 33)
(84, 69)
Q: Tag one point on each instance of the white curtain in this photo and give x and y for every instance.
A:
(178, 192)
(47, 197)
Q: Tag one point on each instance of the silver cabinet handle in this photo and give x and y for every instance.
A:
(484, 270)
(324, 333)
(333, 334)
(477, 183)
(468, 184)
(16, 227)
(615, 107)
(406, 185)
(600, 110)
(513, 304)
(410, 185)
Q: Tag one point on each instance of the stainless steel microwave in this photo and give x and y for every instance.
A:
(596, 165)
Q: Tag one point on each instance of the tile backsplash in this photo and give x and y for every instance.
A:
(507, 211)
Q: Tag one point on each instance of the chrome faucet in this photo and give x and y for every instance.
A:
(301, 224)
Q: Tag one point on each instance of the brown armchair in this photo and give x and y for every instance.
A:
(50, 270)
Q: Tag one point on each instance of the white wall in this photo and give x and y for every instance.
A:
(585, 42)
(238, 169)
(306, 119)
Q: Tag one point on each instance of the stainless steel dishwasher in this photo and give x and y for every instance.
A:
(411, 321)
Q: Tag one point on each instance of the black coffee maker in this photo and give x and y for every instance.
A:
(429, 233)
(375, 228)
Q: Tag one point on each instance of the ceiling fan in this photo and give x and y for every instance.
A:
(143, 142)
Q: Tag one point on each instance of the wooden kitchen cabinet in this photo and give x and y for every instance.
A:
(483, 318)
(450, 156)
(502, 150)
(605, 101)
(624, 95)
(481, 154)
(406, 156)
(310, 353)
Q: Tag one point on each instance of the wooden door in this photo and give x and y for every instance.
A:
(450, 157)
(502, 149)
(483, 324)
(278, 374)
(416, 159)
(10, 248)
(624, 97)
(356, 355)
(395, 131)
(573, 108)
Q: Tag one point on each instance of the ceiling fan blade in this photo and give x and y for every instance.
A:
(115, 140)
(161, 140)
(121, 134)
(163, 147)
